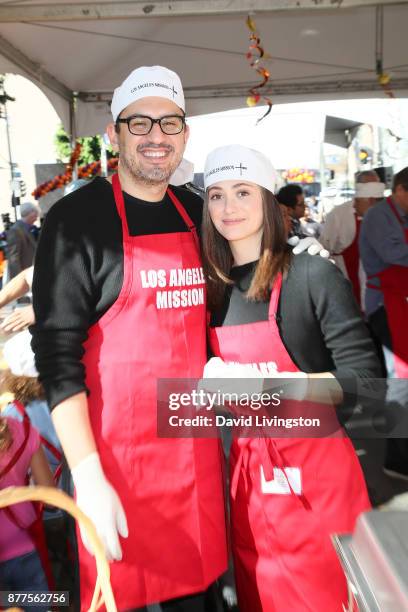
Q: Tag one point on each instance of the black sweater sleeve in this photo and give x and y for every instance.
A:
(332, 335)
(63, 300)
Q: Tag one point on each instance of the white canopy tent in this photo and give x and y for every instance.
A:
(319, 49)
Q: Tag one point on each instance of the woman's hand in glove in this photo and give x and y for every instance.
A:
(230, 378)
(97, 498)
(296, 388)
(311, 245)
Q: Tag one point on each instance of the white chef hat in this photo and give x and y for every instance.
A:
(372, 189)
(146, 81)
(183, 174)
(235, 162)
(19, 356)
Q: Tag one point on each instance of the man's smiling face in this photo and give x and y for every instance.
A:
(152, 158)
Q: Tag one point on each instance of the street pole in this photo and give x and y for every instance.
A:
(3, 100)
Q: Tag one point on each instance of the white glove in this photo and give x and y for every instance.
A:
(311, 245)
(237, 378)
(217, 368)
(97, 498)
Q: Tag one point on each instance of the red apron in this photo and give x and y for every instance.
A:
(394, 286)
(287, 496)
(351, 257)
(171, 489)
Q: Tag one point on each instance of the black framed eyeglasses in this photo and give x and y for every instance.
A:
(140, 125)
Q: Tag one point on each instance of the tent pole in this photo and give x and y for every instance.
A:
(73, 130)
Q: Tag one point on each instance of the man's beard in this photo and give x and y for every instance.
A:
(149, 175)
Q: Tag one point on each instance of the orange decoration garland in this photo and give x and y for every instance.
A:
(86, 171)
(254, 55)
(299, 175)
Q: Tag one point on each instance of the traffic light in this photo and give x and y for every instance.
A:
(23, 188)
(5, 217)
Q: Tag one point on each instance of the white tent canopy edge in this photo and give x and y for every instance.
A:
(203, 95)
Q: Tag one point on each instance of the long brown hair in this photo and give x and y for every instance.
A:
(24, 388)
(274, 257)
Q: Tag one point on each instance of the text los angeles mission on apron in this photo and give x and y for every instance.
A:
(171, 489)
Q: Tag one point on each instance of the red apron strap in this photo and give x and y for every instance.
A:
(19, 407)
(48, 445)
(183, 214)
(120, 204)
(237, 471)
(351, 258)
(273, 304)
(400, 221)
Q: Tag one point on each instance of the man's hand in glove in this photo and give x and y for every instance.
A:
(97, 498)
(311, 245)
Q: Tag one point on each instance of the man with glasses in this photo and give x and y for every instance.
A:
(119, 302)
(293, 198)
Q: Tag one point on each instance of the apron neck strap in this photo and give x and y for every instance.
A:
(48, 445)
(120, 204)
(273, 304)
(183, 214)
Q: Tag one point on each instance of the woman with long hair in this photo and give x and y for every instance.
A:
(277, 317)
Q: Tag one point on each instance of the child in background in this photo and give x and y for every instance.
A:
(20, 379)
(20, 452)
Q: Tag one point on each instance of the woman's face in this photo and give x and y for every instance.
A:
(236, 209)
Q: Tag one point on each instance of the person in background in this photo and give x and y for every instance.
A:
(21, 240)
(3, 264)
(21, 380)
(293, 198)
(384, 254)
(341, 230)
(20, 453)
(268, 310)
